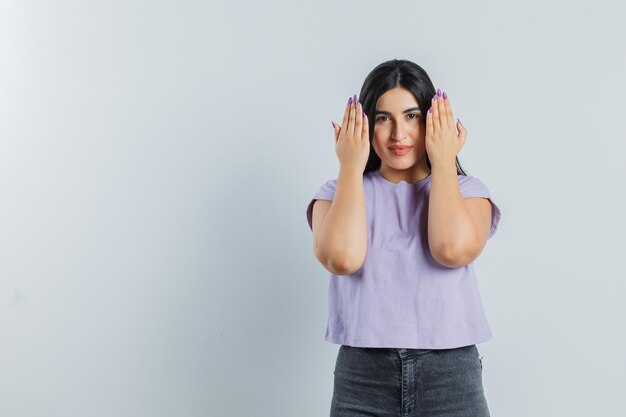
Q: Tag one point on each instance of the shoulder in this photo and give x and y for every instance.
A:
(472, 187)
(327, 190)
(486, 211)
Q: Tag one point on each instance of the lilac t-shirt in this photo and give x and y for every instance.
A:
(401, 297)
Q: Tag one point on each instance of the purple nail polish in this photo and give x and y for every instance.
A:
(435, 98)
(445, 96)
(364, 115)
(430, 110)
(350, 100)
(439, 92)
(354, 101)
(333, 124)
(458, 120)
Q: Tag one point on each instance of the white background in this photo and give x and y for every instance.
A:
(157, 158)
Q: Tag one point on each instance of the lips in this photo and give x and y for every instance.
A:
(400, 150)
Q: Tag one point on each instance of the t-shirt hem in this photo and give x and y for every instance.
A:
(376, 343)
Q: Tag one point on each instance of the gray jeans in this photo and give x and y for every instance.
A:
(386, 382)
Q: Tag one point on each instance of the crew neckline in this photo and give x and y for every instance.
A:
(423, 180)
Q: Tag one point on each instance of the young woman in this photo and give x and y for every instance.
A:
(399, 230)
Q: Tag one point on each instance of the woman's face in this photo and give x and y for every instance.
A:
(398, 121)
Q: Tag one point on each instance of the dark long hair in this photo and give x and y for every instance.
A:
(389, 75)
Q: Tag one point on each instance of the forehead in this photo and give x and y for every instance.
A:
(396, 99)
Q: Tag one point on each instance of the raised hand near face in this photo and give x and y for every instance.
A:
(442, 141)
(352, 144)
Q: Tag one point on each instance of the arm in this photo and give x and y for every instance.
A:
(340, 240)
(458, 228)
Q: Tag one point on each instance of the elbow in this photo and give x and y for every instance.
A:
(455, 258)
(345, 267)
(449, 258)
(340, 264)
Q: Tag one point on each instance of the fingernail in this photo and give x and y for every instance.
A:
(439, 92)
(445, 96)
(333, 124)
(354, 101)
(430, 110)
(350, 100)
(364, 115)
(458, 120)
(435, 98)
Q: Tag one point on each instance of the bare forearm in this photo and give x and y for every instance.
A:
(343, 235)
(450, 223)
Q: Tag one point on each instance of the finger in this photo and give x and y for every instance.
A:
(462, 131)
(436, 123)
(350, 128)
(448, 110)
(358, 119)
(441, 110)
(366, 130)
(336, 130)
(429, 121)
(346, 115)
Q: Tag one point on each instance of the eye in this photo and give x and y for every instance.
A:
(417, 116)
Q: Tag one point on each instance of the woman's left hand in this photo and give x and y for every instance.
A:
(442, 141)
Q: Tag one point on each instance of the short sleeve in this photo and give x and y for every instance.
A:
(326, 192)
(473, 187)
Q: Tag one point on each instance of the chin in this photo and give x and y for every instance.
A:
(402, 163)
(401, 166)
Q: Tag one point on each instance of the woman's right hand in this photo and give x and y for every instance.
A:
(352, 143)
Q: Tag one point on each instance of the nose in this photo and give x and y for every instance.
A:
(398, 132)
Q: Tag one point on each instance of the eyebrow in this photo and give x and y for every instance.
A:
(389, 114)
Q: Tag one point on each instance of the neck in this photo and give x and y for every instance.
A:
(416, 173)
